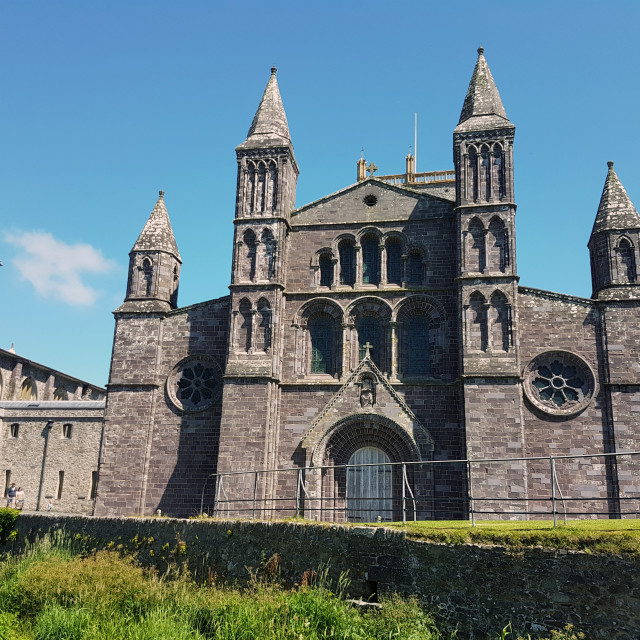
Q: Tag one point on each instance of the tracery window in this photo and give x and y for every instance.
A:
(347, 253)
(326, 270)
(559, 383)
(195, 383)
(394, 261)
(322, 334)
(370, 260)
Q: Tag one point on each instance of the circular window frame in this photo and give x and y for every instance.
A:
(568, 359)
(172, 379)
(370, 200)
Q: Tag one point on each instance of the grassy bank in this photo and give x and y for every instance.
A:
(597, 536)
(51, 592)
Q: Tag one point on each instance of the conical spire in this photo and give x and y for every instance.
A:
(157, 234)
(616, 211)
(483, 99)
(269, 127)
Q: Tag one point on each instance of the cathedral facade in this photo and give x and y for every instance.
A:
(381, 324)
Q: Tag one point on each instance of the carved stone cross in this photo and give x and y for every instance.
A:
(367, 346)
(371, 168)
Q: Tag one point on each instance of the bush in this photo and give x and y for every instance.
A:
(8, 519)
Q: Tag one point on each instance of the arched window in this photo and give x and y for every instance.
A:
(273, 185)
(269, 250)
(322, 334)
(326, 270)
(476, 246)
(485, 163)
(498, 164)
(147, 276)
(497, 245)
(60, 394)
(245, 318)
(626, 262)
(251, 186)
(414, 267)
(263, 334)
(347, 262)
(370, 332)
(473, 190)
(477, 323)
(28, 390)
(370, 260)
(260, 190)
(394, 261)
(248, 266)
(500, 322)
(416, 330)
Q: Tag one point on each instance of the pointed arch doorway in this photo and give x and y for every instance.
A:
(369, 493)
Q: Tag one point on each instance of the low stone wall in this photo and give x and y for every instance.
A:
(478, 588)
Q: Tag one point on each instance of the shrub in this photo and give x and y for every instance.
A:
(8, 519)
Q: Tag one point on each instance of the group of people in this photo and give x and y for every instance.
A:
(15, 497)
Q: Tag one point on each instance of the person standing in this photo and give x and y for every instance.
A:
(11, 496)
(20, 499)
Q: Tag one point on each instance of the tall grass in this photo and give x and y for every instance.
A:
(52, 593)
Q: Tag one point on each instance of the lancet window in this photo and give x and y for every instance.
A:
(500, 321)
(394, 261)
(476, 246)
(346, 250)
(245, 321)
(477, 322)
(370, 260)
(322, 336)
(626, 261)
(147, 276)
(326, 270)
(498, 246)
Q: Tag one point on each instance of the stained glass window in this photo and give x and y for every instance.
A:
(322, 337)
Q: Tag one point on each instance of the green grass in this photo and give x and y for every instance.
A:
(597, 536)
(52, 593)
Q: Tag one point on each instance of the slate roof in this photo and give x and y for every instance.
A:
(269, 127)
(616, 211)
(157, 234)
(482, 106)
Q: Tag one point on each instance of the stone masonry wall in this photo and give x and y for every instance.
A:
(477, 588)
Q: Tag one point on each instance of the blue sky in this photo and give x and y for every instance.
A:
(105, 103)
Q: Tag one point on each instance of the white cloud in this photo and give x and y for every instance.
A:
(56, 269)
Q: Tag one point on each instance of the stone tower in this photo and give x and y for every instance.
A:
(487, 276)
(613, 246)
(266, 188)
(134, 380)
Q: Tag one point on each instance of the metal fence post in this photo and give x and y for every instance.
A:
(255, 491)
(471, 509)
(404, 493)
(298, 484)
(553, 491)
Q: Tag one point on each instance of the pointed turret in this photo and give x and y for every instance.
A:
(269, 127)
(154, 265)
(157, 234)
(613, 245)
(482, 108)
(616, 211)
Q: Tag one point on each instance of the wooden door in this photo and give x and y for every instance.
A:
(369, 488)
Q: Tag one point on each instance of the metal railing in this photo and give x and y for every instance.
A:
(421, 178)
(604, 485)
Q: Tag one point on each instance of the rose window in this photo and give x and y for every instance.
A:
(559, 382)
(195, 384)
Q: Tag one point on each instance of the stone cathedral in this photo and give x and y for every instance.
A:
(384, 323)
